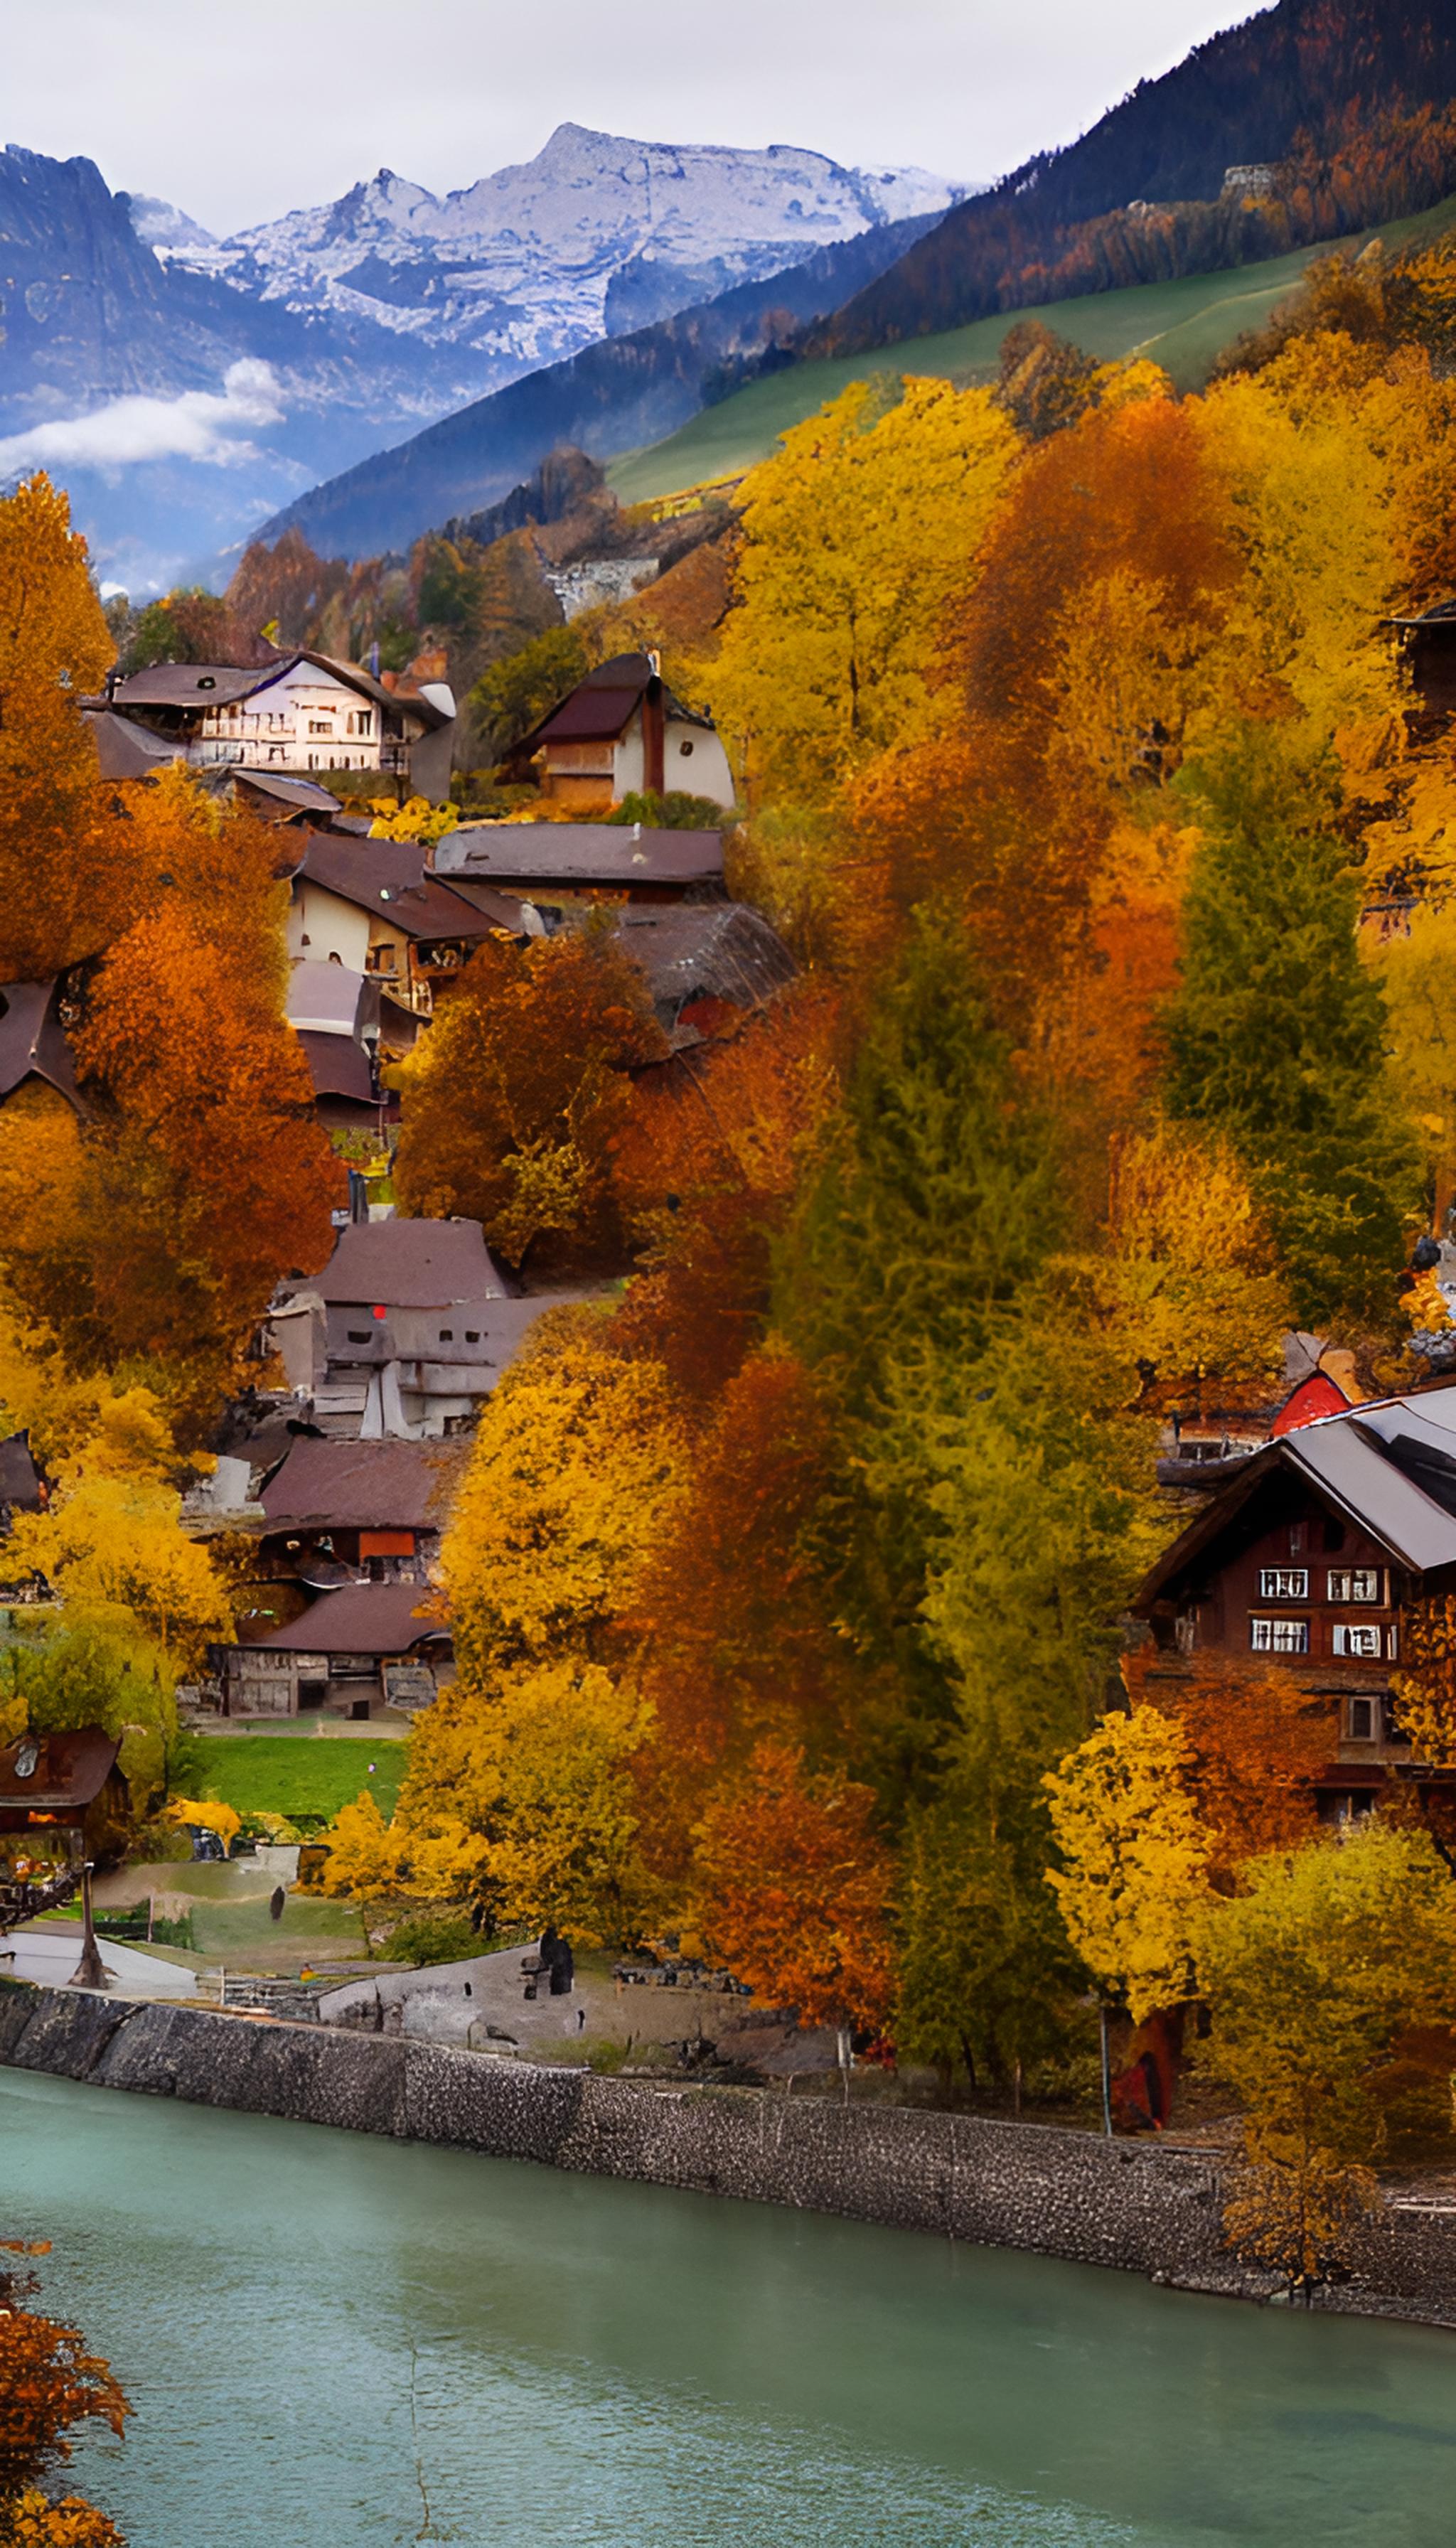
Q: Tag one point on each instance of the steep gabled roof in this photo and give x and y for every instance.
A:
(55, 1772)
(1389, 1468)
(391, 879)
(33, 1043)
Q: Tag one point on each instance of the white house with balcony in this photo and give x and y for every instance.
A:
(302, 716)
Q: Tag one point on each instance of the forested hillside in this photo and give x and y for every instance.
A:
(1348, 102)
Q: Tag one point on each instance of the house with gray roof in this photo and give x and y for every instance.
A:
(1310, 1560)
(404, 1334)
(297, 716)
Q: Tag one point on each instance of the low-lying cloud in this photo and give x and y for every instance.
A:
(201, 424)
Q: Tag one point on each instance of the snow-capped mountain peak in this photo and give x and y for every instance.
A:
(595, 233)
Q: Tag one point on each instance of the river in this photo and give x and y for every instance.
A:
(333, 2341)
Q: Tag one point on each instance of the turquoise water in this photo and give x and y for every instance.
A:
(337, 2342)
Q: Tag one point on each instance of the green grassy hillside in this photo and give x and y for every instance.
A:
(1183, 325)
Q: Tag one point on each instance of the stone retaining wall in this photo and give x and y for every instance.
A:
(1134, 2205)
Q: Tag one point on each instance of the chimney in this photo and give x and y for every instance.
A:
(653, 740)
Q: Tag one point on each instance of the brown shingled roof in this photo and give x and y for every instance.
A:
(364, 1486)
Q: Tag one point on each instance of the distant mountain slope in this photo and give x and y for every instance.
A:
(617, 394)
(1350, 100)
(372, 315)
(1184, 324)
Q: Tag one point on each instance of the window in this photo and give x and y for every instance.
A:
(472, 1336)
(361, 1335)
(1353, 1583)
(687, 751)
(1363, 1727)
(320, 725)
(447, 1336)
(1358, 1641)
(1284, 1583)
(1280, 1636)
(1296, 1539)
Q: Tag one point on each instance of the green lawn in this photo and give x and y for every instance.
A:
(292, 1774)
(1184, 325)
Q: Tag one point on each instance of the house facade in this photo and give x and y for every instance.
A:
(404, 1334)
(374, 908)
(619, 733)
(352, 1652)
(1310, 1559)
(303, 714)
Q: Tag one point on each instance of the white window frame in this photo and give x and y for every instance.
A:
(1341, 1582)
(1358, 1640)
(1279, 1636)
(1284, 1583)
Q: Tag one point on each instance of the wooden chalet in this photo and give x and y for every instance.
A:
(351, 1653)
(62, 1798)
(1428, 643)
(1310, 1557)
(621, 731)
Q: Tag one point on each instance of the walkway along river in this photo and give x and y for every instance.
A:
(336, 2338)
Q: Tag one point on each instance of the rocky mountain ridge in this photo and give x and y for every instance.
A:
(594, 237)
(183, 388)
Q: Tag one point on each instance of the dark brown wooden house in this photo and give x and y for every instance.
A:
(1428, 643)
(1310, 1558)
(62, 1797)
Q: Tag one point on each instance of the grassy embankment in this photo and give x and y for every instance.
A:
(1184, 325)
(281, 1774)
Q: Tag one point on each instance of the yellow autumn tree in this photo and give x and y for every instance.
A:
(533, 1778)
(114, 1550)
(1325, 461)
(1187, 1283)
(576, 1461)
(1134, 1857)
(856, 533)
(1415, 967)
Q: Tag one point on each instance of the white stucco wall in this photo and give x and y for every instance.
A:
(308, 719)
(694, 763)
(321, 925)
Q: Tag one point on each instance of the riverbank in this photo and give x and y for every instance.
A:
(1132, 2206)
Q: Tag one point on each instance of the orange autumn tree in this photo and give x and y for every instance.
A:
(792, 1889)
(1255, 1740)
(706, 1167)
(730, 1615)
(1072, 667)
(156, 1229)
(65, 883)
(513, 1100)
(48, 2384)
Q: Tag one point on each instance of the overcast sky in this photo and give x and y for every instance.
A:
(241, 114)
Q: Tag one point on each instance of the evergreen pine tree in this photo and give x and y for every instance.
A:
(932, 1209)
(1277, 1036)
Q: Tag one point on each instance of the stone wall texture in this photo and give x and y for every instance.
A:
(1138, 2206)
